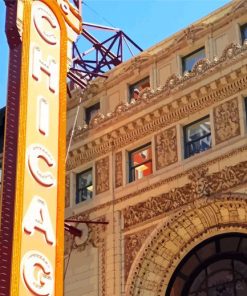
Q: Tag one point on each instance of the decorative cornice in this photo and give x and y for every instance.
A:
(174, 83)
(166, 115)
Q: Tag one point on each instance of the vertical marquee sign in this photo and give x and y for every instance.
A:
(46, 29)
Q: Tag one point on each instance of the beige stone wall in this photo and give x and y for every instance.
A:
(211, 186)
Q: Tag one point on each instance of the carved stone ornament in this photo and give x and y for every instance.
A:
(232, 53)
(178, 234)
(166, 148)
(189, 33)
(67, 191)
(226, 121)
(118, 170)
(102, 175)
(202, 184)
(132, 244)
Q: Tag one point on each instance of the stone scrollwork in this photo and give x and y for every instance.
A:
(174, 83)
(226, 121)
(201, 66)
(202, 184)
(132, 244)
(118, 170)
(173, 80)
(102, 175)
(166, 148)
(97, 120)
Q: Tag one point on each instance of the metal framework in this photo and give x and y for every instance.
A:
(94, 62)
(101, 57)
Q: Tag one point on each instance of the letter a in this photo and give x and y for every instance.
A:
(37, 218)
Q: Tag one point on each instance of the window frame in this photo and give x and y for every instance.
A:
(186, 144)
(137, 85)
(77, 201)
(132, 168)
(242, 27)
(183, 58)
(88, 111)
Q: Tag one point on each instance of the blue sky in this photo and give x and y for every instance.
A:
(145, 21)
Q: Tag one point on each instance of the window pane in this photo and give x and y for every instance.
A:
(244, 32)
(84, 186)
(140, 85)
(197, 137)
(190, 60)
(143, 170)
(140, 156)
(91, 111)
(140, 163)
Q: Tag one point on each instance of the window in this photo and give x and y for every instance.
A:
(140, 163)
(84, 186)
(243, 32)
(138, 86)
(215, 267)
(91, 111)
(197, 137)
(245, 103)
(189, 61)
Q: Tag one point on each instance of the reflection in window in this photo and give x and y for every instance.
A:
(140, 163)
(243, 32)
(224, 277)
(189, 61)
(197, 137)
(84, 186)
(137, 87)
(91, 111)
(216, 267)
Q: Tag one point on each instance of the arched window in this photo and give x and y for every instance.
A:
(216, 267)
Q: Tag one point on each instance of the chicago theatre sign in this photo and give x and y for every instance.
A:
(47, 29)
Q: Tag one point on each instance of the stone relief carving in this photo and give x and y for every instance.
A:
(102, 175)
(169, 114)
(118, 170)
(189, 33)
(67, 191)
(174, 83)
(202, 184)
(132, 244)
(186, 173)
(226, 121)
(166, 148)
(181, 230)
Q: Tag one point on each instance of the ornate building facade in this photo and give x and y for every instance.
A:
(159, 151)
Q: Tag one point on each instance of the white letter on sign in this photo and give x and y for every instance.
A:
(37, 218)
(37, 273)
(40, 16)
(43, 112)
(36, 152)
(49, 67)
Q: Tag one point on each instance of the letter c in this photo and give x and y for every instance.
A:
(36, 152)
(41, 14)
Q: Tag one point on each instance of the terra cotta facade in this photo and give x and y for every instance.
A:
(189, 198)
